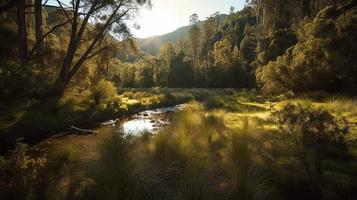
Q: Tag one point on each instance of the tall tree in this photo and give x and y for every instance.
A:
(21, 26)
(107, 16)
(209, 29)
(194, 42)
(38, 21)
(167, 55)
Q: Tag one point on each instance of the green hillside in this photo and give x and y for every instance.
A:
(151, 45)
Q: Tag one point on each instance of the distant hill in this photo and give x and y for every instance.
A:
(152, 45)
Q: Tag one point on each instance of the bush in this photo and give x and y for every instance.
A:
(315, 136)
(20, 174)
(104, 92)
(213, 102)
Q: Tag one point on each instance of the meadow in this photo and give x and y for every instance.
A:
(226, 144)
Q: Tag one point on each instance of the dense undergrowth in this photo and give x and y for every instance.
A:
(231, 145)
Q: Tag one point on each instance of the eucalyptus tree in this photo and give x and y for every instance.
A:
(21, 27)
(209, 30)
(194, 36)
(167, 55)
(107, 17)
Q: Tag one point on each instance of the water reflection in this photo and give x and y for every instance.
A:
(138, 126)
(150, 120)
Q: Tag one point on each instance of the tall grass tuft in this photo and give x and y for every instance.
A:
(249, 182)
(63, 174)
(195, 182)
(342, 105)
(180, 152)
(65, 157)
(114, 172)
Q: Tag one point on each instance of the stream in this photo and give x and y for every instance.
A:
(148, 120)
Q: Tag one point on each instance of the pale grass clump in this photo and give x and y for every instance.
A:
(342, 105)
(64, 176)
(114, 173)
(65, 156)
(215, 119)
(248, 181)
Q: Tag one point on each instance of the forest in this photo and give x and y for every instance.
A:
(258, 103)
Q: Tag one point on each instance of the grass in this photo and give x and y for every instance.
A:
(113, 172)
(224, 145)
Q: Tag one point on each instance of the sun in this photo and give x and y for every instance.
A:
(155, 21)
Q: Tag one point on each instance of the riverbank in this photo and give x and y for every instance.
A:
(143, 124)
(36, 121)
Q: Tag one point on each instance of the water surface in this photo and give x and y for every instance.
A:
(149, 120)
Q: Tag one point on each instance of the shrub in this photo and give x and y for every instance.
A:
(104, 92)
(20, 174)
(315, 136)
(213, 102)
(129, 94)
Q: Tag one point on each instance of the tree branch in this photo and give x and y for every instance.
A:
(97, 52)
(97, 38)
(62, 8)
(44, 36)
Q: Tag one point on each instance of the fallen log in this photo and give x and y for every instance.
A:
(83, 130)
(110, 122)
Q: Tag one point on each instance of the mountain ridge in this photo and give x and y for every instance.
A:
(152, 44)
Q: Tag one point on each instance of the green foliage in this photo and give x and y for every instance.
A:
(183, 67)
(320, 60)
(275, 45)
(20, 174)
(248, 46)
(315, 135)
(104, 92)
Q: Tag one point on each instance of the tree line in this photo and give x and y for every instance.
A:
(275, 46)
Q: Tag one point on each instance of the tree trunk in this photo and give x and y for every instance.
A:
(57, 90)
(38, 23)
(62, 80)
(69, 68)
(21, 25)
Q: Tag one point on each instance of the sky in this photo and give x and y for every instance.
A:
(168, 15)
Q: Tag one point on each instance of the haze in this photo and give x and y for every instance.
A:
(167, 15)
